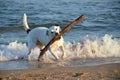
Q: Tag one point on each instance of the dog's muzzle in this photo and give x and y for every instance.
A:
(56, 34)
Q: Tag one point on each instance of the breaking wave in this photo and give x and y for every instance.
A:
(104, 47)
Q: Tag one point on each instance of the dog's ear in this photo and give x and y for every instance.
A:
(58, 26)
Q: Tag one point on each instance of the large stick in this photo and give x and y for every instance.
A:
(67, 28)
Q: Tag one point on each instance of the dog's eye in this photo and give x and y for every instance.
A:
(51, 32)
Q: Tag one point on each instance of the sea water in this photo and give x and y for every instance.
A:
(94, 41)
(89, 52)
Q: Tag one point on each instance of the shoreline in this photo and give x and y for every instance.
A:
(99, 72)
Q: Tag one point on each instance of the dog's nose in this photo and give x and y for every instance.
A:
(56, 33)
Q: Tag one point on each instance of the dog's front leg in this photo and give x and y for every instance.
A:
(51, 51)
(63, 52)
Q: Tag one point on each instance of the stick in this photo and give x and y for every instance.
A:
(67, 28)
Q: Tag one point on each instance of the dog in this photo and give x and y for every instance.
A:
(41, 36)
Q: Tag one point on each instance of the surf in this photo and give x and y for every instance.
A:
(104, 47)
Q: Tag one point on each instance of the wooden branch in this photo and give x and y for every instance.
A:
(67, 28)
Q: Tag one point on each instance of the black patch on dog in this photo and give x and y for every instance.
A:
(28, 31)
(56, 24)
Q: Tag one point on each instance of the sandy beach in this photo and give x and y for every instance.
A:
(55, 72)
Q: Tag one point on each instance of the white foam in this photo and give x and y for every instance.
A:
(92, 48)
(13, 50)
(88, 48)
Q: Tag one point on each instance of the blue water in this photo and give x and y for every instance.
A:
(100, 28)
(101, 17)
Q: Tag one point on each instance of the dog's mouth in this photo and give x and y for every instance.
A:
(55, 33)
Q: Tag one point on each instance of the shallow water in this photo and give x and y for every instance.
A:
(97, 36)
(22, 64)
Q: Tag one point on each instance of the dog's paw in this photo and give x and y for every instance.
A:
(28, 59)
(41, 59)
(62, 57)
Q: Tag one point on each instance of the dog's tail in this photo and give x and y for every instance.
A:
(26, 27)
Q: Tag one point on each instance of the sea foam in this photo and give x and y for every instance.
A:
(102, 47)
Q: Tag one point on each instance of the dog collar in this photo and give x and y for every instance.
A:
(47, 33)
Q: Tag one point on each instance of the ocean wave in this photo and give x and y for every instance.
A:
(98, 47)
(102, 47)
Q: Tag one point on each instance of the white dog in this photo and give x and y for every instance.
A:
(41, 36)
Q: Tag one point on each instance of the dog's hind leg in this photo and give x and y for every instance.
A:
(31, 46)
(39, 45)
(51, 51)
(28, 56)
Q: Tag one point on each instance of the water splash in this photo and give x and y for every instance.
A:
(88, 48)
(92, 48)
(12, 51)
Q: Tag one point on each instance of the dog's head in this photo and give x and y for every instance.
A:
(54, 30)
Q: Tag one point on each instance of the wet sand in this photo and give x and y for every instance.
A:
(98, 72)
